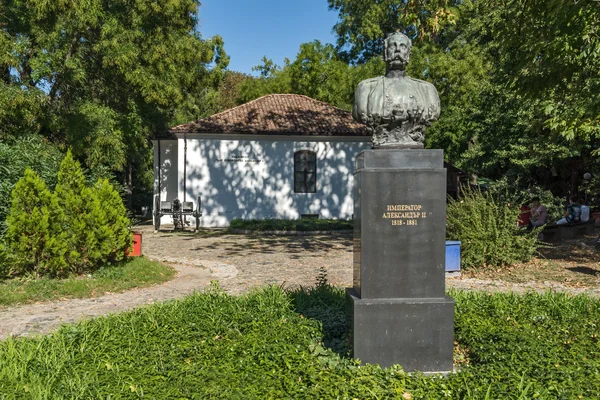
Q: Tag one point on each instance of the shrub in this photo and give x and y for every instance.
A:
(76, 229)
(28, 224)
(488, 231)
(31, 152)
(512, 192)
(70, 215)
(108, 235)
(3, 262)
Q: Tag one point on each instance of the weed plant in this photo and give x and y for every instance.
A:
(303, 225)
(488, 231)
(269, 344)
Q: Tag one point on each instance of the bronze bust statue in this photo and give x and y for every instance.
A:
(396, 108)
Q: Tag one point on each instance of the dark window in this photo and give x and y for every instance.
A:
(305, 171)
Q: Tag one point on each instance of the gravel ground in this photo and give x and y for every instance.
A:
(239, 263)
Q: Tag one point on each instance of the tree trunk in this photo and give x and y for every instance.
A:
(574, 179)
(128, 184)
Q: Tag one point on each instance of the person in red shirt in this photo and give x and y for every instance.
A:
(525, 216)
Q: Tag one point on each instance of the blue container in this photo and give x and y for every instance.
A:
(452, 255)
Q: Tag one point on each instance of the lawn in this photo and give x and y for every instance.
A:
(136, 272)
(277, 344)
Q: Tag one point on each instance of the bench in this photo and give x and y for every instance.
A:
(177, 210)
(557, 233)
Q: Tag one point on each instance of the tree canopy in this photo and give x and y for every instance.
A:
(363, 25)
(102, 76)
(517, 79)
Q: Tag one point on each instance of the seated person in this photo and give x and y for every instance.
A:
(524, 216)
(539, 213)
(573, 213)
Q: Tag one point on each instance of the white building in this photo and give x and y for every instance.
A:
(280, 156)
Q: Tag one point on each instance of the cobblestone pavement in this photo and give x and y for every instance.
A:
(239, 263)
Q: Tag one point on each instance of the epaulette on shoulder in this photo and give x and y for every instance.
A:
(420, 81)
(371, 80)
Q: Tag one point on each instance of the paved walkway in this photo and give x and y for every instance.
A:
(238, 262)
(44, 317)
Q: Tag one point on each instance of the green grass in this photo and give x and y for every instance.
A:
(269, 344)
(137, 272)
(303, 225)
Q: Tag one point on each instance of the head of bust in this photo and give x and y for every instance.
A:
(397, 47)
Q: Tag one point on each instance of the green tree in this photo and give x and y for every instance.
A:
(108, 234)
(551, 51)
(228, 91)
(213, 100)
(101, 77)
(363, 25)
(319, 73)
(28, 225)
(273, 79)
(316, 72)
(460, 72)
(31, 151)
(539, 115)
(517, 79)
(69, 222)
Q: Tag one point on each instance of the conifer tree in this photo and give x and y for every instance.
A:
(110, 235)
(28, 225)
(69, 223)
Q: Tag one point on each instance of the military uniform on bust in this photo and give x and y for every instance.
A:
(396, 107)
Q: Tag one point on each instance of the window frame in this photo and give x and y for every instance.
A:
(303, 185)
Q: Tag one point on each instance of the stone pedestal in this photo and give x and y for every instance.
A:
(400, 313)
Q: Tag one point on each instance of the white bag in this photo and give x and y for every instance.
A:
(585, 213)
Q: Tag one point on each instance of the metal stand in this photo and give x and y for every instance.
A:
(177, 210)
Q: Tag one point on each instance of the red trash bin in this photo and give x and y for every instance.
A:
(136, 248)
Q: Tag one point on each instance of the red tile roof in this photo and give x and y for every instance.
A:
(280, 114)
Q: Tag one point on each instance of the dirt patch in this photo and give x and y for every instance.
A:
(292, 261)
(573, 263)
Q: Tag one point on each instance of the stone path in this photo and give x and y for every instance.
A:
(43, 317)
(238, 262)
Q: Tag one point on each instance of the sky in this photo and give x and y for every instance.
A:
(252, 29)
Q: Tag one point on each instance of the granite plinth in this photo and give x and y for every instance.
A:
(400, 312)
(417, 334)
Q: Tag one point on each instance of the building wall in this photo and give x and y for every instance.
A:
(165, 167)
(244, 178)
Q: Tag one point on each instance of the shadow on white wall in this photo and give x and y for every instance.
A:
(254, 179)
